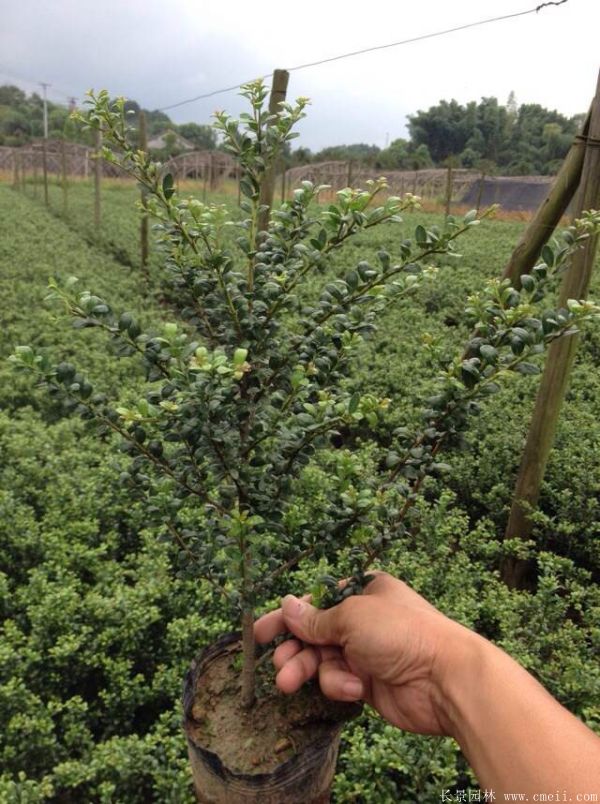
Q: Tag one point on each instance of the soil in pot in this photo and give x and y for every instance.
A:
(277, 728)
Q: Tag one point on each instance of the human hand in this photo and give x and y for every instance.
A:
(388, 646)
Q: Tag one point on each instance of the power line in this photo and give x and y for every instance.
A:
(370, 50)
(55, 90)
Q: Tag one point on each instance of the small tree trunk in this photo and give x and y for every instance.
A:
(249, 664)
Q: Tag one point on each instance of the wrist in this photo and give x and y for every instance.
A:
(467, 661)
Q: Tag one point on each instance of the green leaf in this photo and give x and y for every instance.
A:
(239, 357)
(469, 374)
(168, 186)
(488, 352)
(548, 255)
(421, 235)
(528, 283)
(527, 368)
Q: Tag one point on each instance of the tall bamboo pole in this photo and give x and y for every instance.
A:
(144, 248)
(548, 215)
(267, 192)
(555, 378)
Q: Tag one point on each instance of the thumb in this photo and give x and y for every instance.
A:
(317, 626)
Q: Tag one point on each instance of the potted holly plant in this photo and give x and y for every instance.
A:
(246, 386)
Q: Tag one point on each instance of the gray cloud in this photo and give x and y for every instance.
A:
(160, 53)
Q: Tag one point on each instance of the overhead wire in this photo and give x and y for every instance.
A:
(327, 60)
(372, 49)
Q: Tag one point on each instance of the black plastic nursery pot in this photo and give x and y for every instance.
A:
(300, 765)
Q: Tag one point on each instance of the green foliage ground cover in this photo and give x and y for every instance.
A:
(97, 627)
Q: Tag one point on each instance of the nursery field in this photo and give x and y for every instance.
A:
(99, 626)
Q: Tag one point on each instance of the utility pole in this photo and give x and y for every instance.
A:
(45, 87)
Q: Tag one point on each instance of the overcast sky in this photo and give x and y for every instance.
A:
(163, 51)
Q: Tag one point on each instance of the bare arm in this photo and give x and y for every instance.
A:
(427, 674)
(516, 736)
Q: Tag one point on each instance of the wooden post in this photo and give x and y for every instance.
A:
(63, 166)
(349, 174)
(283, 179)
(35, 171)
(45, 171)
(212, 183)
(548, 215)
(559, 362)
(144, 249)
(97, 178)
(480, 189)
(449, 187)
(204, 180)
(267, 191)
(23, 172)
(15, 162)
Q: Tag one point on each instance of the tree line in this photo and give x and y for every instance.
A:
(22, 120)
(511, 139)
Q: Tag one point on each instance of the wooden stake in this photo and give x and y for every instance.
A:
(35, 172)
(267, 191)
(144, 247)
(283, 179)
(559, 362)
(22, 171)
(448, 188)
(45, 171)
(548, 215)
(63, 166)
(15, 169)
(211, 173)
(480, 190)
(97, 177)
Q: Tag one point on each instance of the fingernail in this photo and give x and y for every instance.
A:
(293, 606)
(353, 689)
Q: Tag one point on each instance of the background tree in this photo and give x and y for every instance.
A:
(203, 137)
